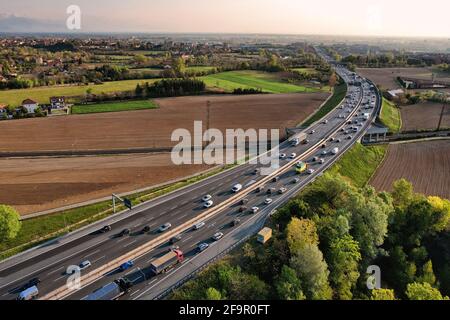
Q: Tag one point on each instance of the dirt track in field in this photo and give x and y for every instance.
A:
(426, 164)
(153, 128)
(33, 185)
(425, 116)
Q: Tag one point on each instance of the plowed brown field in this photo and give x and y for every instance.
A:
(424, 116)
(426, 164)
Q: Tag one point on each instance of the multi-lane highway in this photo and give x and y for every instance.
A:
(49, 262)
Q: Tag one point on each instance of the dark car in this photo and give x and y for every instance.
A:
(105, 229)
(244, 201)
(33, 282)
(242, 209)
(124, 232)
(275, 179)
(271, 191)
(175, 239)
(146, 229)
(259, 189)
(235, 222)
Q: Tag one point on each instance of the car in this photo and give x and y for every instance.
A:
(315, 159)
(296, 180)
(349, 138)
(242, 209)
(217, 236)
(282, 190)
(208, 204)
(235, 222)
(207, 198)
(323, 146)
(332, 139)
(312, 131)
(275, 179)
(338, 141)
(254, 209)
(282, 156)
(259, 189)
(175, 239)
(124, 232)
(268, 201)
(243, 201)
(105, 229)
(324, 152)
(202, 247)
(325, 121)
(342, 130)
(145, 229)
(322, 161)
(293, 155)
(199, 225)
(127, 265)
(256, 171)
(165, 227)
(84, 265)
(271, 191)
(31, 283)
(310, 171)
(306, 141)
(236, 188)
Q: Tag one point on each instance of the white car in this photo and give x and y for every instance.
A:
(255, 209)
(236, 188)
(165, 227)
(293, 155)
(322, 161)
(283, 156)
(325, 121)
(313, 131)
(217, 236)
(85, 264)
(208, 204)
(268, 201)
(324, 152)
(202, 247)
(310, 171)
(207, 198)
(199, 225)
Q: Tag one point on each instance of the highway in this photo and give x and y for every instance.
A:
(49, 262)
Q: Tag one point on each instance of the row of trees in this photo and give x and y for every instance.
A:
(326, 238)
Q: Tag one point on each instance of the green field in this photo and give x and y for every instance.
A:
(338, 95)
(305, 70)
(390, 116)
(114, 107)
(195, 69)
(43, 94)
(267, 82)
(360, 163)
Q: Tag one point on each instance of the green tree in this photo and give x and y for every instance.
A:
(288, 285)
(344, 258)
(423, 291)
(301, 232)
(402, 193)
(312, 271)
(179, 66)
(428, 274)
(9, 223)
(382, 294)
(213, 294)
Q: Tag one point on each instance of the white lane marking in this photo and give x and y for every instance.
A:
(55, 271)
(132, 294)
(130, 243)
(181, 217)
(120, 240)
(152, 281)
(134, 270)
(5, 294)
(91, 254)
(188, 238)
(57, 279)
(96, 260)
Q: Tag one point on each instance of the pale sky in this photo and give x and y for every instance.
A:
(347, 17)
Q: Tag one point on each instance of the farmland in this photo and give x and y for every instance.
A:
(38, 184)
(43, 94)
(425, 116)
(428, 172)
(113, 107)
(153, 128)
(267, 82)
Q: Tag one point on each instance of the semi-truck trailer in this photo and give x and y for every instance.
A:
(167, 261)
(297, 139)
(111, 291)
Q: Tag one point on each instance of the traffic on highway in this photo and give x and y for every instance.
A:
(235, 199)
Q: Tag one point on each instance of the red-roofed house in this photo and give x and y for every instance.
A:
(30, 105)
(3, 108)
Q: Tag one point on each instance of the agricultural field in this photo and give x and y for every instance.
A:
(425, 116)
(43, 94)
(153, 128)
(114, 107)
(428, 172)
(195, 69)
(390, 116)
(33, 185)
(267, 82)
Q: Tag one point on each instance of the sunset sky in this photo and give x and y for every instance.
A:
(346, 17)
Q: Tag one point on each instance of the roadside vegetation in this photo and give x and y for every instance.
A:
(114, 107)
(338, 95)
(390, 116)
(326, 237)
(41, 229)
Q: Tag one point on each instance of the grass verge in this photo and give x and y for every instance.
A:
(41, 229)
(114, 107)
(390, 116)
(338, 95)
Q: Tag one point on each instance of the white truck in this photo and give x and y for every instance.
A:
(335, 151)
(295, 141)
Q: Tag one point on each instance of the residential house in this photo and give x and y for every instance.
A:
(30, 105)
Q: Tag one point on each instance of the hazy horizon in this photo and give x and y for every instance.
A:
(381, 18)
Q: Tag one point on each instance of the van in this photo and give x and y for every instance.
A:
(29, 294)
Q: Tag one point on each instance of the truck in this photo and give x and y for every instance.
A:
(297, 139)
(111, 291)
(166, 262)
(30, 293)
